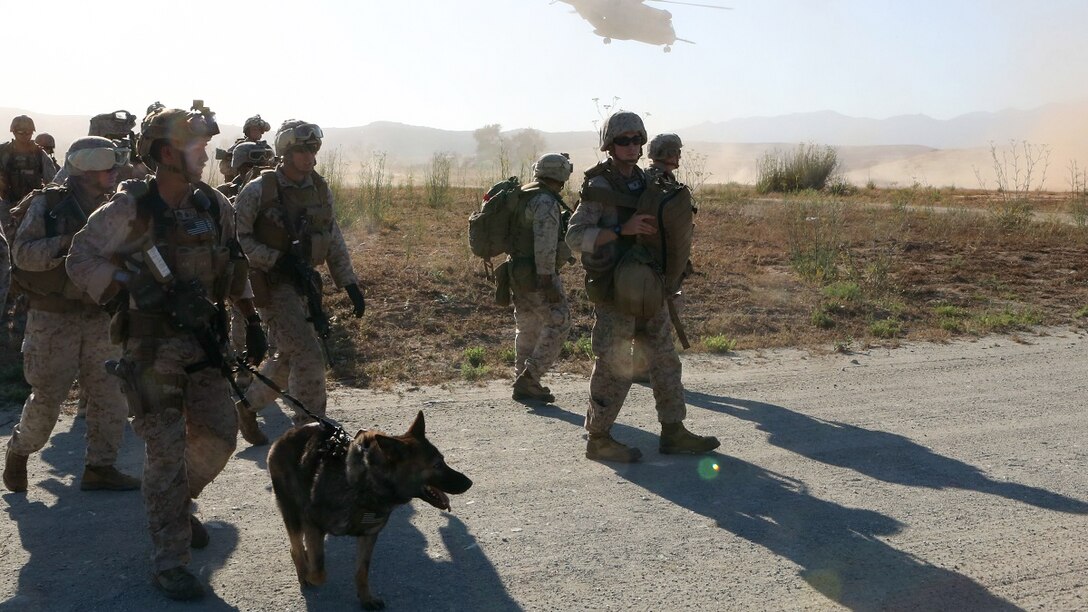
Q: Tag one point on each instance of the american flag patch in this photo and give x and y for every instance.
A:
(197, 226)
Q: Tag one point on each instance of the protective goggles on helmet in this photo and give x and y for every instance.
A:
(623, 141)
(306, 132)
(94, 160)
(252, 156)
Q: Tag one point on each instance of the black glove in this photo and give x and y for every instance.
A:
(357, 301)
(146, 292)
(551, 292)
(256, 341)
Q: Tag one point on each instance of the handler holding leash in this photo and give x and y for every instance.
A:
(287, 228)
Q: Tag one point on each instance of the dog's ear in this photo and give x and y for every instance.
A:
(418, 429)
(389, 446)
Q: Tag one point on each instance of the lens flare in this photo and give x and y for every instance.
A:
(709, 469)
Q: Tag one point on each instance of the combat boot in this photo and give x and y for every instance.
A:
(247, 424)
(527, 388)
(676, 439)
(15, 472)
(602, 447)
(107, 478)
(178, 583)
(199, 538)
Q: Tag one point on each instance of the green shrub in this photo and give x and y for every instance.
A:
(508, 356)
(475, 356)
(820, 318)
(473, 373)
(844, 291)
(582, 347)
(886, 328)
(719, 344)
(807, 167)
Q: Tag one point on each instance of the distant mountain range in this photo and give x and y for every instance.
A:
(902, 149)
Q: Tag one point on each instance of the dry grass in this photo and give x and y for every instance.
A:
(888, 272)
(927, 267)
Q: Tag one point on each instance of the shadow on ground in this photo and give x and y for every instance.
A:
(881, 455)
(838, 548)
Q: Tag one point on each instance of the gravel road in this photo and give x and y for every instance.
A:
(923, 477)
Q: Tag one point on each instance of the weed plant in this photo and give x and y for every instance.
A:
(809, 166)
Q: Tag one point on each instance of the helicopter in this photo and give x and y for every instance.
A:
(632, 20)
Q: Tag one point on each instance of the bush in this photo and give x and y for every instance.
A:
(808, 167)
(719, 344)
(475, 356)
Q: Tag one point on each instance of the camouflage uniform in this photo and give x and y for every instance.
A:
(67, 335)
(298, 365)
(190, 431)
(542, 325)
(613, 330)
(21, 173)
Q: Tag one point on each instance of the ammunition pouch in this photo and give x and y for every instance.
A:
(502, 284)
(639, 285)
(319, 220)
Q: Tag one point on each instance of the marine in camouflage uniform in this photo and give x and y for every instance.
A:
(49, 145)
(5, 272)
(67, 333)
(24, 167)
(602, 227)
(541, 309)
(168, 242)
(287, 228)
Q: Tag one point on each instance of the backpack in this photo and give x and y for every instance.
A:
(490, 229)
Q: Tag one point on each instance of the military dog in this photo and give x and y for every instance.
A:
(322, 488)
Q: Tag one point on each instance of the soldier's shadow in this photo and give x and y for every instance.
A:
(404, 575)
(881, 455)
(91, 549)
(838, 548)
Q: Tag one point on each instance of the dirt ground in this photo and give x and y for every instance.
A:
(932, 476)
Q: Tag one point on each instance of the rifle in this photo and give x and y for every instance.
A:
(308, 282)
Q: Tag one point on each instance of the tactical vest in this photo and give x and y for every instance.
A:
(295, 219)
(524, 237)
(52, 290)
(189, 238)
(622, 197)
(22, 172)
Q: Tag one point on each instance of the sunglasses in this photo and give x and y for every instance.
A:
(624, 141)
(22, 132)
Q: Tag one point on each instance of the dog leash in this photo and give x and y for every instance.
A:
(338, 440)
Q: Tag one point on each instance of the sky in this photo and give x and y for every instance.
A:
(462, 64)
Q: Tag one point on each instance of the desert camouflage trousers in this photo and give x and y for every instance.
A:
(612, 370)
(58, 347)
(541, 329)
(298, 366)
(189, 437)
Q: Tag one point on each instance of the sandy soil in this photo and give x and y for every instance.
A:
(925, 477)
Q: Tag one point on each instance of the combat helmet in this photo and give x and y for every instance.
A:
(664, 146)
(618, 123)
(116, 125)
(177, 125)
(295, 132)
(94, 153)
(256, 122)
(255, 153)
(554, 166)
(46, 141)
(22, 122)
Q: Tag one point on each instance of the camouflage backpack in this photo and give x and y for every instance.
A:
(490, 229)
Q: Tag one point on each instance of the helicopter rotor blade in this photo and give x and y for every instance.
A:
(690, 42)
(711, 6)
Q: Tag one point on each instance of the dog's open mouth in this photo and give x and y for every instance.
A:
(434, 497)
